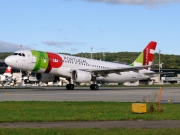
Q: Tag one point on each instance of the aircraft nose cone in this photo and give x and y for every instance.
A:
(8, 61)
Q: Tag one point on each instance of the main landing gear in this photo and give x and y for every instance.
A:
(70, 86)
(94, 87)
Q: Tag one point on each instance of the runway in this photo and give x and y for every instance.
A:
(114, 94)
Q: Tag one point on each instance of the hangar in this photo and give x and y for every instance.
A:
(3, 67)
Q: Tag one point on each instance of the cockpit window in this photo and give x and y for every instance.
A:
(20, 54)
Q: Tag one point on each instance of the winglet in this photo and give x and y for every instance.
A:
(147, 55)
(8, 71)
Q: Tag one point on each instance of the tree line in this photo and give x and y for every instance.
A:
(169, 61)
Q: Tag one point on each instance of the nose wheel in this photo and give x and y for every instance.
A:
(70, 86)
(94, 87)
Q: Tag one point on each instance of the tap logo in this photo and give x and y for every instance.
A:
(55, 61)
(46, 61)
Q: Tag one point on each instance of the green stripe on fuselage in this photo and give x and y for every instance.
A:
(42, 60)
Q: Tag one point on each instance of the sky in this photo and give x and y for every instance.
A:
(75, 26)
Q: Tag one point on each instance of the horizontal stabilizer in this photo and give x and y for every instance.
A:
(157, 65)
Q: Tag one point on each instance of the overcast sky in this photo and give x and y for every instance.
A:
(74, 26)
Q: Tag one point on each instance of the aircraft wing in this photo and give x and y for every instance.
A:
(105, 72)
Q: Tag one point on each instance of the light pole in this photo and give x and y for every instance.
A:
(20, 46)
(159, 66)
(91, 51)
(104, 55)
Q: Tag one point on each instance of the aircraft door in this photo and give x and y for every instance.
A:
(34, 58)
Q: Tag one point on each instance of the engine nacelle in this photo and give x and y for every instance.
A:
(45, 77)
(81, 76)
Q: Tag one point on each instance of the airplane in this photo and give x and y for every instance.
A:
(7, 76)
(48, 66)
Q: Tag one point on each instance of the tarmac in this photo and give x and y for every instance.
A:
(107, 94)
(170, 124)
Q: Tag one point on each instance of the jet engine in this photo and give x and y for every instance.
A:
(81, 76)
(45, 77)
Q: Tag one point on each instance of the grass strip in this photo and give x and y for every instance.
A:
(32, 111)
(93, 131)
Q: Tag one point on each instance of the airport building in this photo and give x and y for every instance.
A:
(3, 67)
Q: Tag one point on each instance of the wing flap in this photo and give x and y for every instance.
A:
(104, 72)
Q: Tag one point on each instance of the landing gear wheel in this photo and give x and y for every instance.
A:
(70, 86)
(94, 87)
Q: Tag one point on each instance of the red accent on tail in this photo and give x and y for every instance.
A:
(8, 69)
(148, 56)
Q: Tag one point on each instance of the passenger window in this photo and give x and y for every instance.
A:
(23, 54)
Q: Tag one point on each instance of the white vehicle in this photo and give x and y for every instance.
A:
(49, 65)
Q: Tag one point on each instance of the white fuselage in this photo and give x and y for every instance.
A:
(61, 65)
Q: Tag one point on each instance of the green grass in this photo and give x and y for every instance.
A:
(86, 111)
(79, 111)
(93, 131)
